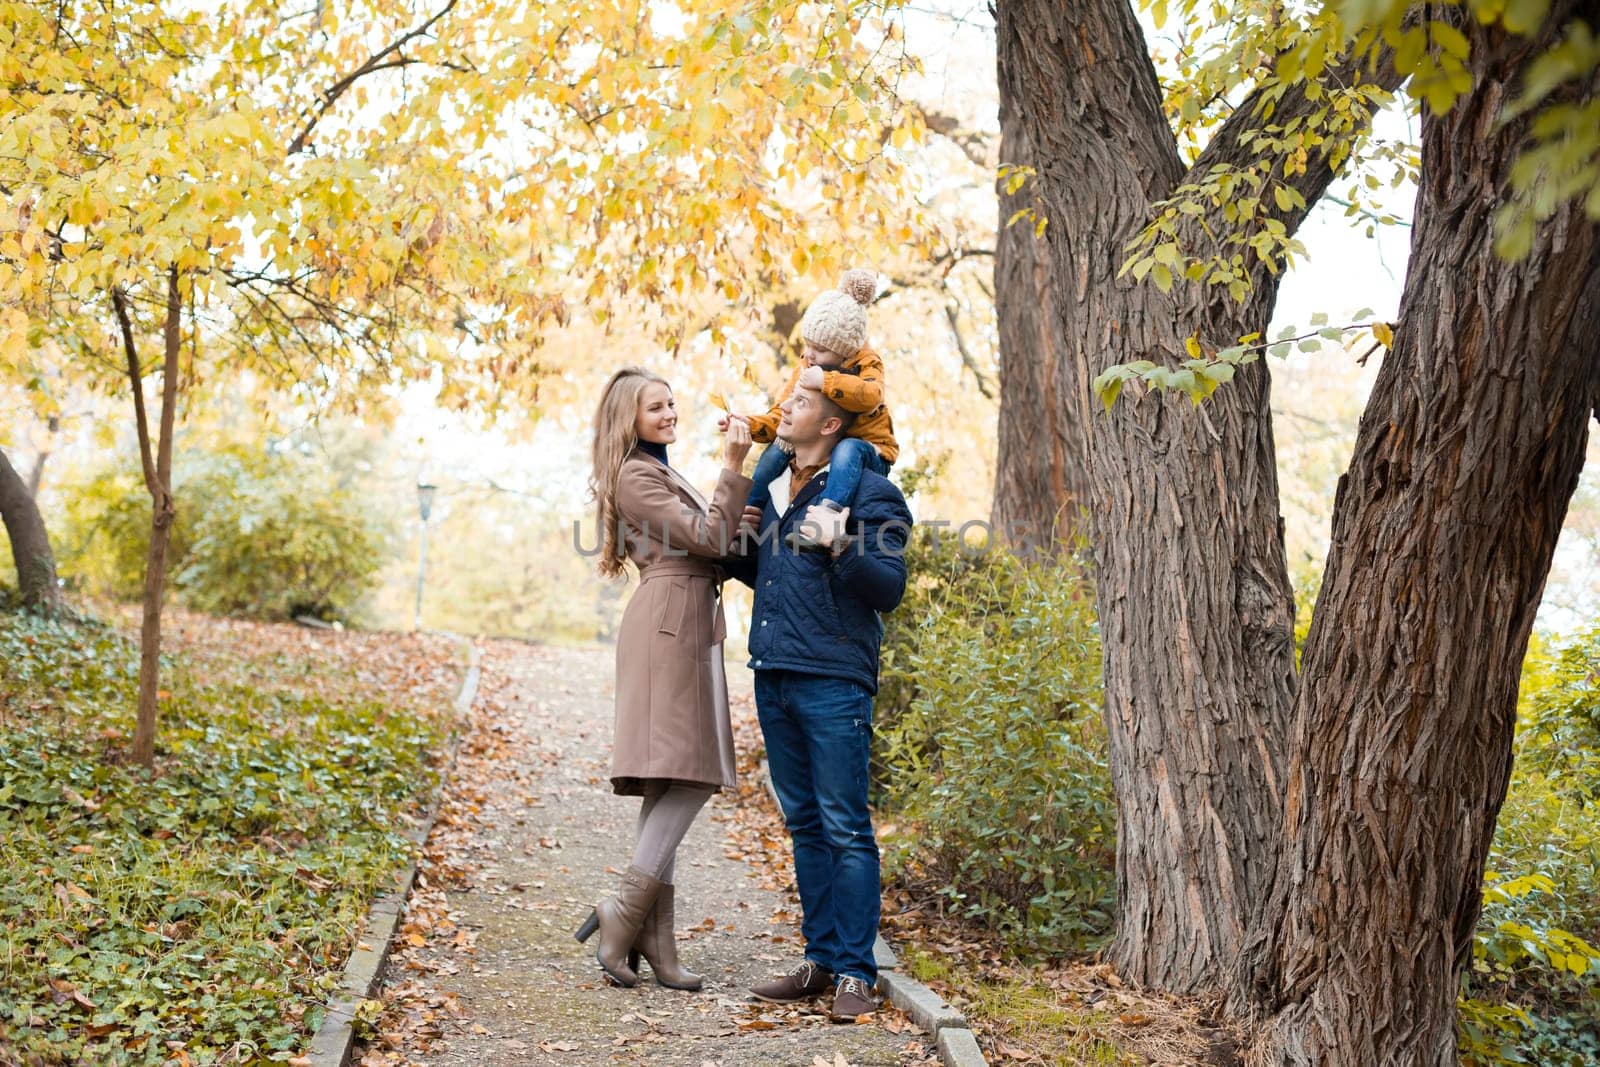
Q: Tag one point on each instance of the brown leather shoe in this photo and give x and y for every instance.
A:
(806, 980)
(851, 1001)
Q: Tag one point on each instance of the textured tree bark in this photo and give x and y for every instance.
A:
(30, 542)
(1444, 527)
(1195, 604)
(158, 480)
(1041, 484)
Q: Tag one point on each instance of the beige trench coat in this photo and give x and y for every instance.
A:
(672, 695)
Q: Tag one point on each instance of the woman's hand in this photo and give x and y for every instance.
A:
(811, 378)
(736, 445)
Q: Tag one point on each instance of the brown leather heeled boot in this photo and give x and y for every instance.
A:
(619, 920)
(658, 943)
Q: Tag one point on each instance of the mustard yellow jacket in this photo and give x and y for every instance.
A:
(857, 386)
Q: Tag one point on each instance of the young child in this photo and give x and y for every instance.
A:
(838, 362)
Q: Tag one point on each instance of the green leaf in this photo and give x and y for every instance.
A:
(1107, 384)
(1452, 40)
(1525, 16)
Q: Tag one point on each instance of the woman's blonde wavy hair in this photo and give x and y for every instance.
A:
(616, 435)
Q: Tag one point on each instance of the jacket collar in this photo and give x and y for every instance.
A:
(806, 495)
(683, 486)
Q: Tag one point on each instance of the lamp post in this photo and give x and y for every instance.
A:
(425, 508)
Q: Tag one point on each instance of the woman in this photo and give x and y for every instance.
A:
(674, 745)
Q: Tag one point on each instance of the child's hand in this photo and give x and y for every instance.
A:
(811, 378)
(825, 525)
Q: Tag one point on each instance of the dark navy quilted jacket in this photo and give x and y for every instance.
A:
(816, 614)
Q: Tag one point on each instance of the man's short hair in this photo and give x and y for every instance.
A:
(832, 410)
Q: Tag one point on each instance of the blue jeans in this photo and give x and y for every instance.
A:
(849, 457)
(819, 734)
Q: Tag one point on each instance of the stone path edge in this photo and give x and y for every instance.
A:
(334, 1039)
(956, 1043)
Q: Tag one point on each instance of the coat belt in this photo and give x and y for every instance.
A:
(684, 567)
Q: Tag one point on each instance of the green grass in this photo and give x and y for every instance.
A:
(1027, 1014)
(208, 908)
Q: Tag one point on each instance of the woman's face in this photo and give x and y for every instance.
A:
(657, 421)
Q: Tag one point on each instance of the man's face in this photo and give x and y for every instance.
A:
(821, 357)
(805, 421)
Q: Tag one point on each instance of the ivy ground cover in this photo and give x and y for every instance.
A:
(200, 915)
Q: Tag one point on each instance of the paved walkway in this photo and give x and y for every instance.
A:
(528, 833)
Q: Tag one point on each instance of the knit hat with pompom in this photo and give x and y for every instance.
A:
(837, 320)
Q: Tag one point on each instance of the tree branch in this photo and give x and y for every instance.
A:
(377, 61)
(966, 353)
(975, 146)
(136, 379)
(1230, 148)
(1366, 214)
(938, 271)
(173, 339)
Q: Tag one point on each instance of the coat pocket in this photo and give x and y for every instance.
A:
(670, 618)
(830, 617)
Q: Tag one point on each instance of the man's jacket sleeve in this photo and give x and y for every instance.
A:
(742, 566)
(873, 565)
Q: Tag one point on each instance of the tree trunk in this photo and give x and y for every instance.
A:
(30, 542)
(1195, 604)
(1041, 479)
(1444, 527)
(158, 480)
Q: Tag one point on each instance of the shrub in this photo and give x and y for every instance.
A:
(1532, 994)
(108, 531)
(990, 746)
(257, 535)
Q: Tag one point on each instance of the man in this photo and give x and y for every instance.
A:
(814, 644)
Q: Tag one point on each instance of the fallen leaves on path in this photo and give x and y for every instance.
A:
(498, 758)
(416, 1011)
